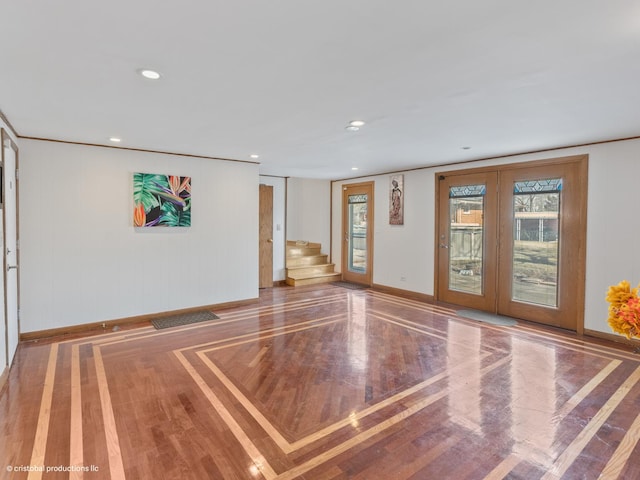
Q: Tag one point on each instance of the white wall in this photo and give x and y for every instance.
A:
(613, 229)
(279, 224)
(82, 260)
(399, 251)
(309, 211)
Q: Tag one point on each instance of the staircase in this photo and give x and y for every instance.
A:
(305, 265)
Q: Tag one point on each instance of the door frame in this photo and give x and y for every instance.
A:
(578, 232)
(7, 142)
(351, 189)
(569, 313)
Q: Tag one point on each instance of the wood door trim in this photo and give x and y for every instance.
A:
(571, 268)
(578, 268)
(368, 278)
(515, 166)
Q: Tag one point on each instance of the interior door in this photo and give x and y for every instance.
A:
(467, 243)
(542, 243)
(357, 232)
(10, 223)
(512, 240)
(266, 237)
(4, 357)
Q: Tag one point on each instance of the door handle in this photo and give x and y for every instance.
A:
(11, 267)
(442, 239)
(270, 240)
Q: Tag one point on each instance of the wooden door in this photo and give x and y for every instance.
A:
(511, 240)
(357, 233)
(266, 237)
(467, 239)
(543, 220)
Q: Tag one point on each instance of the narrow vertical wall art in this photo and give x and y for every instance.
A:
(161, 200)
(396, 200)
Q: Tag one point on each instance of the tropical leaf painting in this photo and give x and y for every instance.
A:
(161, 200)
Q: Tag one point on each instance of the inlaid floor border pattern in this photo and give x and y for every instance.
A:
(84, 367)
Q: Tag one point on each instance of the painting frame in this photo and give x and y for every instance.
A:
(161, 200)
(396, 199)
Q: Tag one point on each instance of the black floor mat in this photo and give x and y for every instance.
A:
(183, 319)
(349, 285)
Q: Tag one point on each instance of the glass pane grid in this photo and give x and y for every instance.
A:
(358, 198)
(538, 186)
(467, 191)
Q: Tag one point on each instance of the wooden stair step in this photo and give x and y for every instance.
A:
(318, 278)
(306, 260)
(299, 251)
(297, 243)
(298, 248)
(307, 265)
(306, 271)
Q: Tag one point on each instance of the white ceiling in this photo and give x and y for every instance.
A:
(282, 78)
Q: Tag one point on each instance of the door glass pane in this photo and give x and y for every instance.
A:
(536, 210)
(357, 233)
(466, 213)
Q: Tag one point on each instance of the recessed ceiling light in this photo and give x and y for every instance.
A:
(356, 123)
(352, 128)
(115, 139)
(253, 155)
(354, 168)
(466, 148)
(150, 74)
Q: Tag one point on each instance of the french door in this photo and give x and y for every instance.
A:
(511, 240)
(467, 239)
(357, 233)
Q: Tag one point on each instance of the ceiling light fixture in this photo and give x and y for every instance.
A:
(466, 148)
(254, 156)
(150, 74)
(356, 123)
(115, 139)
(354, 168)
(352, 128)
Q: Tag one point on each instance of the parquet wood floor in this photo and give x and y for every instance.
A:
(323, 383)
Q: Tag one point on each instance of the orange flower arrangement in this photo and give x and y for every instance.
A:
(624, 309)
